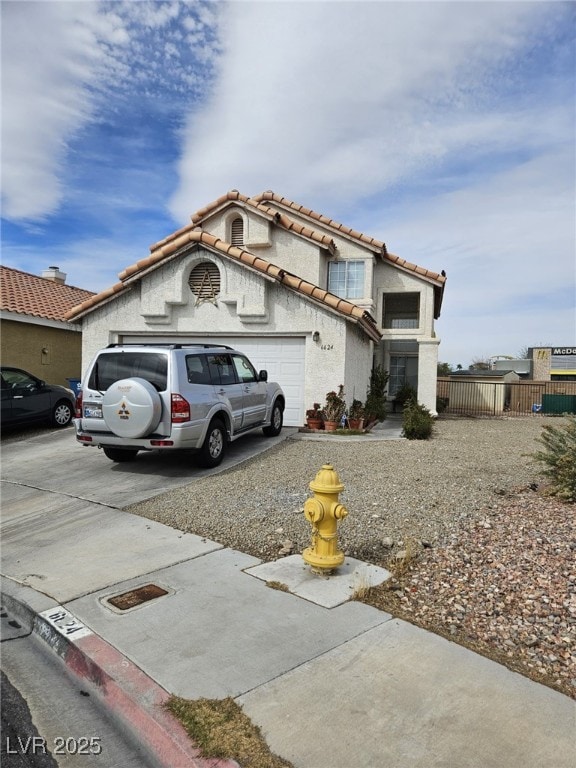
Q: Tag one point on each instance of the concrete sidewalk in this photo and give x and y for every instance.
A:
(330, 687)
(332, 682)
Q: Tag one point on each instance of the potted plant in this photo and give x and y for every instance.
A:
(334, 409)
(314, 417)
(356, 415)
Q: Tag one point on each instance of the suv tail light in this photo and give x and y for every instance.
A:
(180, 409)
(79, 404)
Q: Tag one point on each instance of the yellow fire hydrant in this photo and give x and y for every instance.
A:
(323, 511)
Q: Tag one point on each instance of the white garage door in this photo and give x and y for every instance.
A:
(281, 356)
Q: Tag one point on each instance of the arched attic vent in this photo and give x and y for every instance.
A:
(204, 282)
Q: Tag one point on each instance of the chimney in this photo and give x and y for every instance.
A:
(54, 274)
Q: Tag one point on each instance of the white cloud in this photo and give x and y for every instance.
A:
(65, 64)
(444, 128)
(51, 56)
(430, 125)
(340, 100)
(508, 245)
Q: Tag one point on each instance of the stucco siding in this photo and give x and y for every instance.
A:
(389, 279)
(250, 304)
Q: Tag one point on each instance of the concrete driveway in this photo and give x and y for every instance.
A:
(55, 461)
(63, 529)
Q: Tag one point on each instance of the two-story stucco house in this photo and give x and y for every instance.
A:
(315, 303)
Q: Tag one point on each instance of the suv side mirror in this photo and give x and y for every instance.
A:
(263, 376)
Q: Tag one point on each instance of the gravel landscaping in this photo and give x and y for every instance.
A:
(479, 553)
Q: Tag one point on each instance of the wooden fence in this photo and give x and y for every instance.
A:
(488, 398)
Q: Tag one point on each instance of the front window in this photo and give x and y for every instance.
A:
(346, 279)
(401, 310)
(222, 370)
(244, 369)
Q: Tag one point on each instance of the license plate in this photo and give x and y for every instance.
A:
(93, 411)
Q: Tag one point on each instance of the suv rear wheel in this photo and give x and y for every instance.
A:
(214, 446)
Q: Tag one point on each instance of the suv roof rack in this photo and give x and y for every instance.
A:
(167, 345)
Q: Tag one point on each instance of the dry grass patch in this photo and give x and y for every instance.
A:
(280, 586)
(400, 563)
(221, 729)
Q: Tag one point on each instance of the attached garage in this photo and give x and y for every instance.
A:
(282, 356)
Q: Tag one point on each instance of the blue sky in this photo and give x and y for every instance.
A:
(446, 129)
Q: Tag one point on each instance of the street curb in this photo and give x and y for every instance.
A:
(122, 687)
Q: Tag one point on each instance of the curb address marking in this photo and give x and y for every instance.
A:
(65, 623)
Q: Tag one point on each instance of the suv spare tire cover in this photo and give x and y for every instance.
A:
(131, 408)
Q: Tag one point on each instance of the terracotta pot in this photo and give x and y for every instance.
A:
(314, 423)
(330, 426)
(355, 423)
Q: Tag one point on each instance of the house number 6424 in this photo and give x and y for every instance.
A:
(327, 346)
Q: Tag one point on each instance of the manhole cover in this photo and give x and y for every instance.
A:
(136, 597)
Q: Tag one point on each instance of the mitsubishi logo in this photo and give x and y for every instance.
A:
(123, 411)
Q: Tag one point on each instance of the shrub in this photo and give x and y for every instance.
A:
(441, 404)
(559, 458)
(375, 405)
(417, 421)
(404, 395)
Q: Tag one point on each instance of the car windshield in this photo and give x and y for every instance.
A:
(114, 366)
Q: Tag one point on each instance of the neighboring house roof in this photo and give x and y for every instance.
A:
(25, 294)
(480, 374)
(172, 247)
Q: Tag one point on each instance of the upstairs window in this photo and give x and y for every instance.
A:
(237, 232)
(401, 310)
(346, 279)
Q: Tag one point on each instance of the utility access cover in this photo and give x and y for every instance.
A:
(136, 597)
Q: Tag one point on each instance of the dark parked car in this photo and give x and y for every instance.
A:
(27, 399)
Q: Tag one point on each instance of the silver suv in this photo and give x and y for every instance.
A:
(143, 397)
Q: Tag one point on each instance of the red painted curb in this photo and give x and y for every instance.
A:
(129, 693)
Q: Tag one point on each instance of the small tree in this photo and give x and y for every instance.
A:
(444, 369)
(559, 458)
(375, 405)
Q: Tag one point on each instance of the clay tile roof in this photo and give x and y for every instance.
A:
(273, 197)
(136, 271)
(371, 242)
(27, 294)
(193, 233)
(247, 202)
